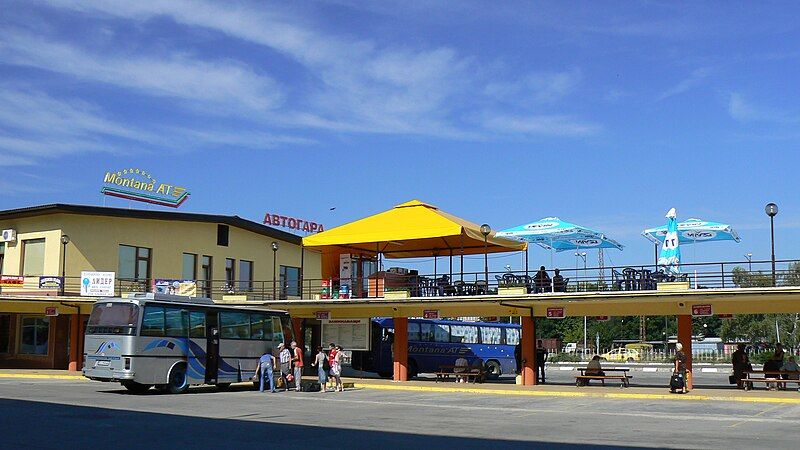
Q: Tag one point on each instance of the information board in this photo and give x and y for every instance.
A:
(351, 334)
(97, 284)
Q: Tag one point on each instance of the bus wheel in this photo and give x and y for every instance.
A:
(136, 388)
(177, 383)
(223, 386)
(493, 369)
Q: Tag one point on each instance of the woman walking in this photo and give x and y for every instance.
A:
(320, 362)
(336, 370)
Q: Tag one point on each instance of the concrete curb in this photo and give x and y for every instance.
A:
(582, 394)
(34, 376)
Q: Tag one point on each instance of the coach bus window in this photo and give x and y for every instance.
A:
(153, 321)
(441, 333)
(491, 335)
(512, 336)
(234, 325)
(277, 333)
(426, 332)
(113, 318)
(175, 324)
(413, 332)
(197, 324)
(257, 322)
(464, 334)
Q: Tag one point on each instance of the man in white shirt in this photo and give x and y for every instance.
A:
(285, 358)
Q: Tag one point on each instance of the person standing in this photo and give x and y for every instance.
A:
(680, 365)
(331, 359)
(264, 371)
(336, 370)
(541, 358)
(285, 359)
(741, 363)
(297, 361)
(322, 365)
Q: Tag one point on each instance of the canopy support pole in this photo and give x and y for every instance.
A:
(462, 258)
(435, 259)
(302, 269)
(400, 361)
(451, 265)
(526, 261)
(528, 351)
(377, 266)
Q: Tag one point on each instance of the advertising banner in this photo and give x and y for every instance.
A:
(11, 281)
(50, 282)
(345, 275)
(176, 287)
(97, 284)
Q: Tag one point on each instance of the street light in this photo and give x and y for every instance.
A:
(274, 270)
(772, 210)
(485, 230)
(64, 242)
(577, 285)
(749, 257)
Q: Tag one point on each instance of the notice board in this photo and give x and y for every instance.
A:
(351, 334)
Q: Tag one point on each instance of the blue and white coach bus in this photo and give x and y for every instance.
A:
(434, 343)
(172, 342)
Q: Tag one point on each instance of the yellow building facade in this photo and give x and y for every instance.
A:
(222, 255)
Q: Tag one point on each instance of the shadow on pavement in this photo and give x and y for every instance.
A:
(27, 424)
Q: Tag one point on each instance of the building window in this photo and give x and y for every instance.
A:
(189, 266)
(33, 258)
(2, 255)
(230, 272)
(290, 281)
(223, 234)
(207, 274)
(134, 263)
(34, 334)
(5, 332)
(245, 275)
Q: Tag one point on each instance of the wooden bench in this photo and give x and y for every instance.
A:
(475, 373)
(749, 379)
(583, 379)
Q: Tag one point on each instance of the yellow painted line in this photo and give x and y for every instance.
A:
(42, 377)
(568, 394)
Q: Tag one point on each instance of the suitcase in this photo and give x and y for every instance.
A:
(676, 382)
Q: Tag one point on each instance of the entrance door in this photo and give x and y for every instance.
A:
(212, 348)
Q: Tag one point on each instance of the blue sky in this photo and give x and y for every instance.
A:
(604, 114)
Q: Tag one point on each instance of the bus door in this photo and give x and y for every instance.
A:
(212, 347)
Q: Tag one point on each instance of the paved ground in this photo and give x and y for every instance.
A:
(61, 414)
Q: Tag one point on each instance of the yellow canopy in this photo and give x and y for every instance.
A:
(409, 230)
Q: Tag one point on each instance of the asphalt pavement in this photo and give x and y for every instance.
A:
(62, 414)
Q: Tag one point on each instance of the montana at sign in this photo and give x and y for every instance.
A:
(139, 185)
(97, 284)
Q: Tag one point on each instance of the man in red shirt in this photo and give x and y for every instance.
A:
(331, 359)
(297, 360)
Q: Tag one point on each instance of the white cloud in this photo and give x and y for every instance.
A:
(540, 87)
(548, 125)
(696, 78)
(743, 111)
(226, 83)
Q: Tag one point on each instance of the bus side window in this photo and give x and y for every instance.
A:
(413, 332)
(176, 326)
(512, 336)
(491, 335)
(426, 332)
(464, 334)
(197, 324)
(277, 330)
(257, 326)
(441, 333)
(153, 321)
(234, 325)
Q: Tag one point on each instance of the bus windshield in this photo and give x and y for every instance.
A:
(113, 318)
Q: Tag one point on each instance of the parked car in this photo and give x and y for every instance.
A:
(622, 354)
(571, 347)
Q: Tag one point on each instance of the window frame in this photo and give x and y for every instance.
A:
(194, 313)
(137, 258)
(144, 317)
(246, 284)
(36, 326)
(418, 331)
(194, 265)
(223, 326)
(25, 244)
(230, 272)
(439, 326)
(284, 282)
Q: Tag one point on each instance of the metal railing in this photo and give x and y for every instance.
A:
(709, 275)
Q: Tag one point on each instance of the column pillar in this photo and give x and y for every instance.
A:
(75, 357)
(685, 338)
(400, 349)
(528, 343)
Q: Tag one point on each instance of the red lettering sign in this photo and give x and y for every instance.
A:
(11, 281)
(51, 311)
(293, 223)
(555, 313)
(322, 315)
(702, 310)
(430, 314)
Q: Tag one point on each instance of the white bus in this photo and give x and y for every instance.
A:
(172, 342)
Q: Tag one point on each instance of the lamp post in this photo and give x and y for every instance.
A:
(485, 230)
(749, 257)
(772, 210)
(274, 270)
(64, 242)
(577, 284)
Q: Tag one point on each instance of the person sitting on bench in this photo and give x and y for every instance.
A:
(461, 367)
(558, 282)
(594, 368)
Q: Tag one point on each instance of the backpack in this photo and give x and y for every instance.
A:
(326, 364)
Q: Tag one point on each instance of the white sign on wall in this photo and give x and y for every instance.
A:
(97, 284)
(351, 334)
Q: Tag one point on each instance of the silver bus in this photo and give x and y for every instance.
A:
(173, 342)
